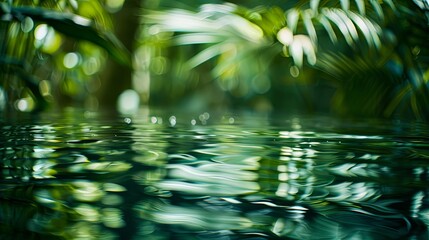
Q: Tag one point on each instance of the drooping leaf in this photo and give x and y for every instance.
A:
(328, 27)
(314, 5)
(197, 38)
(297, 52)
(361, 6)
(285, 36)
(367, 29)
(345, 4)
(206, 54)
(391, 4)
(308, 23)
(377, 8)
(292, 17)
(345, 25)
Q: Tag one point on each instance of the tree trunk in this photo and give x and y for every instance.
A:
(116, 78)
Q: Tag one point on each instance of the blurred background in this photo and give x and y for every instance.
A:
(348, 58)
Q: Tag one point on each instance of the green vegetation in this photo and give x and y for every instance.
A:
(46, 50)
(353, 58)
(360, 58)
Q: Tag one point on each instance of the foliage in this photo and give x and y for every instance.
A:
(38, 54)
(373, 53)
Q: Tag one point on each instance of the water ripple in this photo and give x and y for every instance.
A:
(209, 177)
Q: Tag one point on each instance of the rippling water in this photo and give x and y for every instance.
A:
(206, 176)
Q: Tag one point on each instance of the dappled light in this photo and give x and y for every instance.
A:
(320, 43)
(128, 102)
(143, 177)
(300, 56)
(133, 119)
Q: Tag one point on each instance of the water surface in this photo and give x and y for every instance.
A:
(80, 175)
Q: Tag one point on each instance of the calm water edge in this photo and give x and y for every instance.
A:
(80, 175)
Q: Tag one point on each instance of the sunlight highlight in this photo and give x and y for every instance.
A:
(128, 101)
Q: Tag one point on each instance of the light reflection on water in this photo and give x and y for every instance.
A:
(212, 177)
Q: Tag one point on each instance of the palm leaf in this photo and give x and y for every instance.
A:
(207, 54)
(309, 25)
(369, 30)
(335, 22)
(363, 7)
(345, 4)
(359, 90)
(344, 24)
(360, 4)
(214, 26)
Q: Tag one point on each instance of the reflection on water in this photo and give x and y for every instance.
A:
(80, 176)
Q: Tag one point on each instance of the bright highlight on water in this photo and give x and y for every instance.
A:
(212, 176)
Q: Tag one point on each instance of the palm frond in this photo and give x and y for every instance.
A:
(359, 90)
(355, 41)
(363, 7)
(298, 29)
(336, 23)
(216, 27)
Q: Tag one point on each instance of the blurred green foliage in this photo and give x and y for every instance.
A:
(47, 52)
(355, 58)
(352, 58)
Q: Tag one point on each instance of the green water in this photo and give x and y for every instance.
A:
(212, 176)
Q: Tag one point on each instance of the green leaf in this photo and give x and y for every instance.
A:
(368, 30)
(314, 5)
(207, 54)
(76, 27)
(292, 19)
(377, 8)
(343, 22)
(285, 36)
(307, 18)
(345, 4)
(296, 51)
(375, 32)
(391, 4)
(328, 27)
(361, 6)
(198, 38)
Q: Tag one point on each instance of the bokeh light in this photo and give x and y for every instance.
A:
(25, 104)
(128, 101)
(71, 60)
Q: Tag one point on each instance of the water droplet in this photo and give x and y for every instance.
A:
(153, 120)
(127, 120)
(172, 120)
(204, 117)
